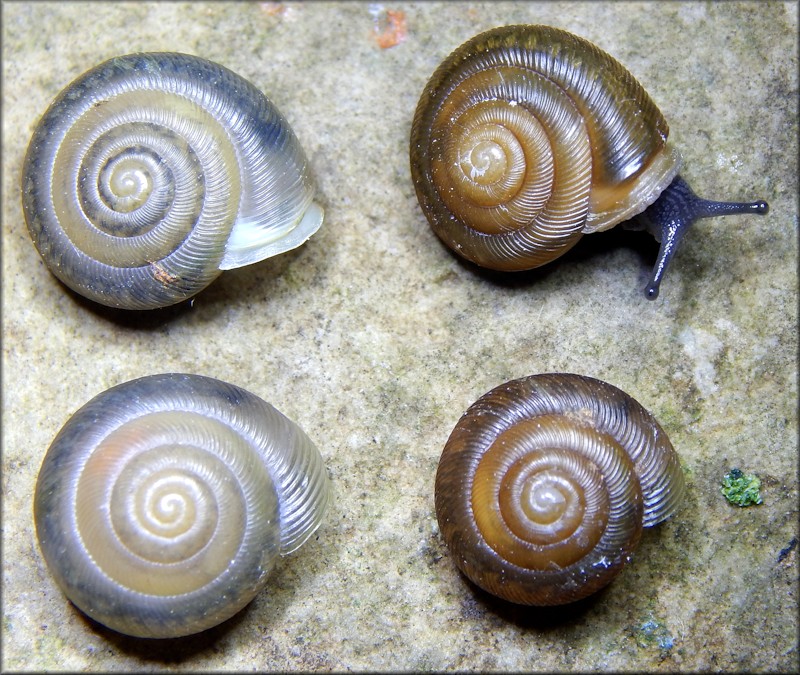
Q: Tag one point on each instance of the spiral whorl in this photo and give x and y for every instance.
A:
(545, 484)
(151, 173)
(163, 503)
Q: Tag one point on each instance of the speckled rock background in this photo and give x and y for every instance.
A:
(375, 339)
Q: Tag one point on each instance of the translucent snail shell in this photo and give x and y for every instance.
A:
(545, 484)
(164, 502)
(528, 137)
(152, 173)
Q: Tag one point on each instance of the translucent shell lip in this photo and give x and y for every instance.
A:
(151, 173)
(251, 242)
(163, 503)
(545, 484)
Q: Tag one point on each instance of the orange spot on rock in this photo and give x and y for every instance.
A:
(272, 8)
(390, 30)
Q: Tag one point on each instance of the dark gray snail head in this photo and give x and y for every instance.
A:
(526, 138)
(673, 213)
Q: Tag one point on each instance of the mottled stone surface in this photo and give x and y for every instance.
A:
(375, 339)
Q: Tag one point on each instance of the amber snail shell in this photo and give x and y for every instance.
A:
(545, 484)
(151, 173)
(164, 502)
(528, 137)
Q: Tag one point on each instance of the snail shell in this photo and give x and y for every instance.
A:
(152, 173)
(164, 502)
(545, 484)
(528, 137)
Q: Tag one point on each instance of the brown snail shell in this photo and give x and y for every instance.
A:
(545, 484)
(528, 137)
(163, 503)
(152, 173)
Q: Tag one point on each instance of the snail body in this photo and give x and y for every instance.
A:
(151, 173)
(528, 137)
(164, 502)
(545, 484)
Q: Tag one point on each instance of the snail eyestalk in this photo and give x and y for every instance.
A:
(674, 212)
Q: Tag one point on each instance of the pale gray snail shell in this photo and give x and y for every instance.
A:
(164, 502)
(545, 484)
(152, 173)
